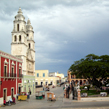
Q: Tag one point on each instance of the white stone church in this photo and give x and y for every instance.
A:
(23, 45)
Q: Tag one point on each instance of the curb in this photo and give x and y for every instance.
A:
(95, 99)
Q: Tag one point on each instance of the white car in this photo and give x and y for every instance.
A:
(107, 85)
(85, 87)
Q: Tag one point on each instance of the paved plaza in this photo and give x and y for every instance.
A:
(60, 103)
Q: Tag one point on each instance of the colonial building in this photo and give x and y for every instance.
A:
(10, 76)
(59, 75)
(42, 78)
(72, 78)
(23, 46)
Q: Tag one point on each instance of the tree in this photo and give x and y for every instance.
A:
(92, 67)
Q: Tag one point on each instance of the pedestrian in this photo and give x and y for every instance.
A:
(29, 91)
(10, 100)
(17, 95)
(68, 89)
(14, 99)
(4, 102)
(43, 88)
(72, 89)
(28, 96)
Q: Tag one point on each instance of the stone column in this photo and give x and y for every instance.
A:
(79, 96)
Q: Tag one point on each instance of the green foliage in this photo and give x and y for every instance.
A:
(90, 92)
(81, 87)
(91, 68)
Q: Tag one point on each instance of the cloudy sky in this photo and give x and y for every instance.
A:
(64, 30)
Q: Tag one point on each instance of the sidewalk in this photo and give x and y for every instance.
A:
(86, 99)
(95, 99)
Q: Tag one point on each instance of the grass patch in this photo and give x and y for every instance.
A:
(90, 92)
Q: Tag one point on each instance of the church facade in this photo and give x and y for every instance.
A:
(23, 46)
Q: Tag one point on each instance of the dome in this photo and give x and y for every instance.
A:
(19, 11)
(19, 16)
(28, 22)
(28, 26)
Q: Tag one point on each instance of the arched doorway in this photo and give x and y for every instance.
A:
(80, 82)
(41, 83)
(4, 94)
(12, 92)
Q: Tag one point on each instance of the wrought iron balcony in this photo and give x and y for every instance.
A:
(12, 75)
(20, 75)
(9, 75)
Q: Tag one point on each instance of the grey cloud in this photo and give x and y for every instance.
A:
(64, 30)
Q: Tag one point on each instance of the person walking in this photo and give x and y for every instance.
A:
(72, 89)
(4, 102)
(14, 100)
(28, 96)
(29, 91)
(68, 89)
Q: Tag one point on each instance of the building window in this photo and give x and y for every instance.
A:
(43, 74)
(19, 72)
(20, 38)
(29, 45)
(12, 72)
(37, 74)
(5, 71)
(15, 38)
(36, 83)
(17, 27)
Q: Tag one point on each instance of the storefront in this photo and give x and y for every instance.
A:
(29, 84)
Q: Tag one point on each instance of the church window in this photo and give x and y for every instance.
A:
(17, 27)
(20, 38)
(15, 38)
(29, 45)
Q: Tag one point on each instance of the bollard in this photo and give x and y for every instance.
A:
(79, 96)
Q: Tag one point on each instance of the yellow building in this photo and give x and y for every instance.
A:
(42, 78)
(60, 75)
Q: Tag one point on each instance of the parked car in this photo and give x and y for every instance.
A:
(85, 87)
(107, 85)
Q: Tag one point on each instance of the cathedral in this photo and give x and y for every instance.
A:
(23, 46)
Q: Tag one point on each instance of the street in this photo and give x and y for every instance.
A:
(60, 103)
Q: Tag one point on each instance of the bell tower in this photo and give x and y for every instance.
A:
(23, 46)
(31, 49)
(19, 38)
